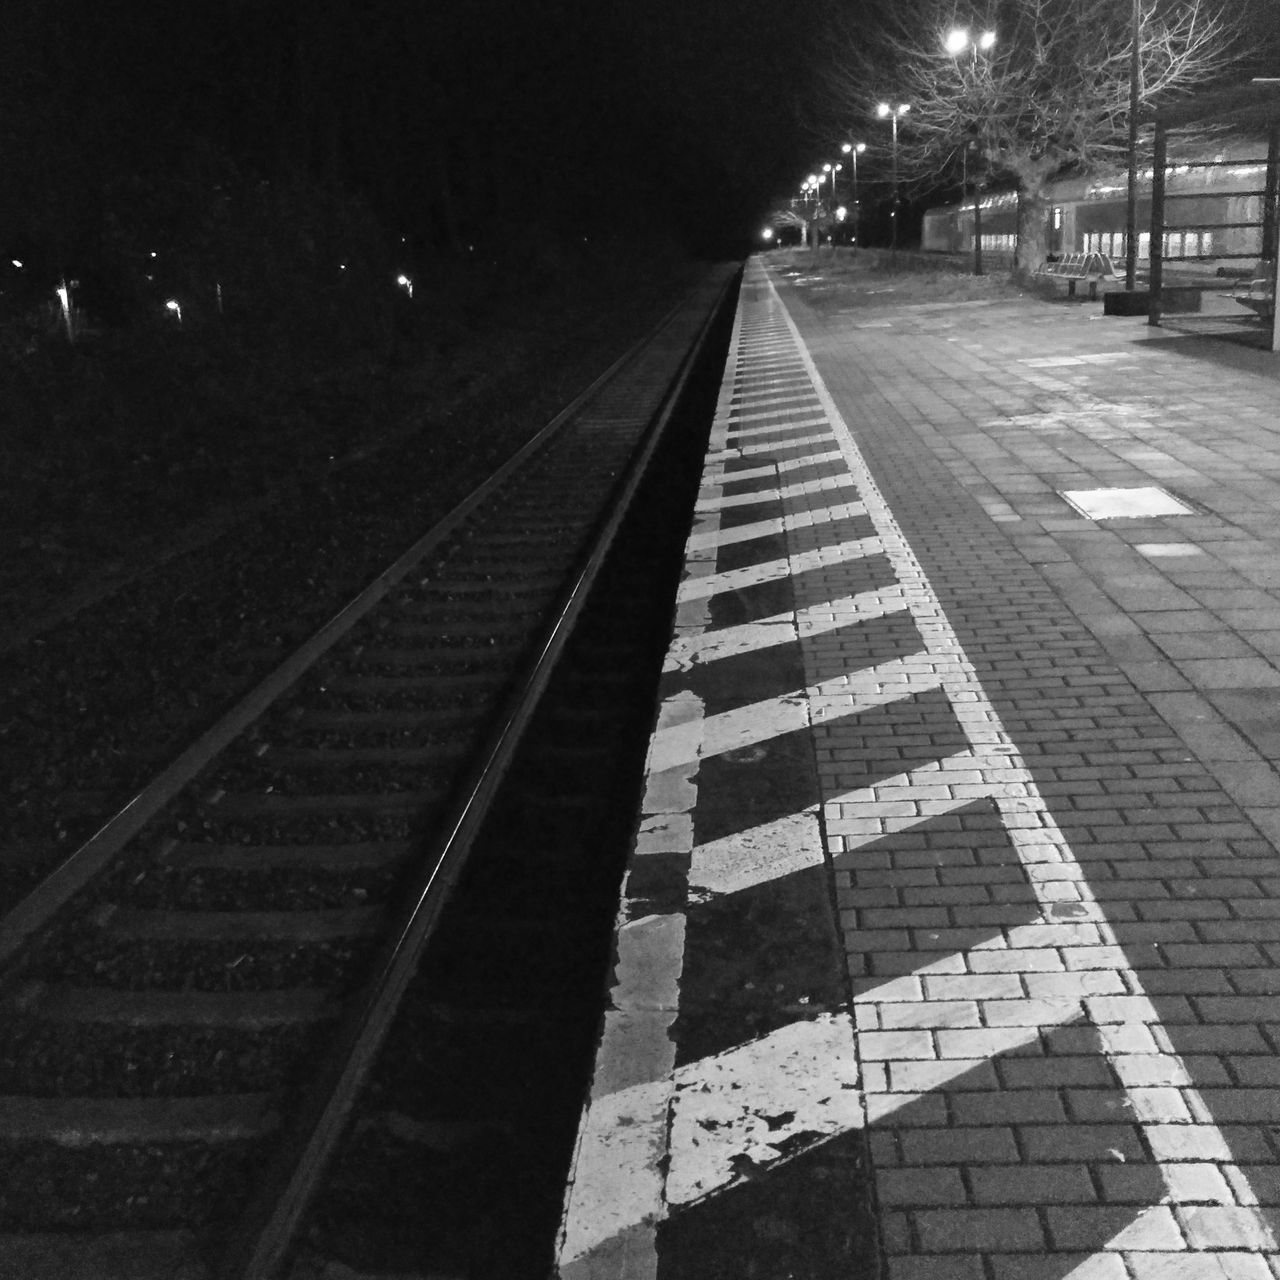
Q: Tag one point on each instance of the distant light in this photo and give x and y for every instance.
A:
(16, 262)
(883, 110)
(154, 254)
(406, 284)
(172, 305)
(767, 233)
(987, 39)
(64, 297)
(842, 213)
(957, 40)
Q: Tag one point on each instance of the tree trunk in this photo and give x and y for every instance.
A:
(1033, 226)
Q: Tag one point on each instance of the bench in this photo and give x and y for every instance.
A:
(1073, 267)
(1258, 293)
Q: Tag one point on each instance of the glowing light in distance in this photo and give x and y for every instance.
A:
(767, 233)
(406, 284)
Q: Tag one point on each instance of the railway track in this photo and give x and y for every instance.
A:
(193, 1008)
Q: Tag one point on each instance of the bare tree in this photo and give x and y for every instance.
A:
(1050, 96)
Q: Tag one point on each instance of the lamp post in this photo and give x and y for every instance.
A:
(853, 150)
(957, 41)
(830, 170)
(883, 110)
(1131, 211)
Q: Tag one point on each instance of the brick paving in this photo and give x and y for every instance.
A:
(1043, 802)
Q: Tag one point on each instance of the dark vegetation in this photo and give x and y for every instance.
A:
(228, 191)
(186, 491)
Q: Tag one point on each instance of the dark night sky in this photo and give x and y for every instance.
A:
(459, 123)
(463, 119)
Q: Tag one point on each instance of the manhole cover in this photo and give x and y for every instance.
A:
(1122, 504)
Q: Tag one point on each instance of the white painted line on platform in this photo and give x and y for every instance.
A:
(745, 1106)
(776, 421)
(742, 402)
(748, 388)
(748, 726)
(715, 477)
(715, 584)
(756, 856)
(716, 501)
(706, 647)
(806, 519)
(771, 428)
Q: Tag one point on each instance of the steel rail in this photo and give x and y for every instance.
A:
(258, 1245)
(94, 857)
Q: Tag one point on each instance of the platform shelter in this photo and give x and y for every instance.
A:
(1252, 108)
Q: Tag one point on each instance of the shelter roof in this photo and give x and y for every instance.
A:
(1253, 104)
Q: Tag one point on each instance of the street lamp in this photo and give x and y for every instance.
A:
(809, 189)
(883, 110)
(827, 171)
(853, 150)
(957, 42)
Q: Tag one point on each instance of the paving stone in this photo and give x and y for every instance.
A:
(1032, 1184)
(953, 1230)
(1113, 1226)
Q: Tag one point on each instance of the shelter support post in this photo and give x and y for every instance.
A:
(1271, 195)
(1158, 161)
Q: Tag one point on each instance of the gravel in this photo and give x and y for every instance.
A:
(94, 702)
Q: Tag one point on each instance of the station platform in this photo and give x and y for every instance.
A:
(950, 943)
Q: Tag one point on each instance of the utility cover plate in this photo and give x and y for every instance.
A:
(1125, 504)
